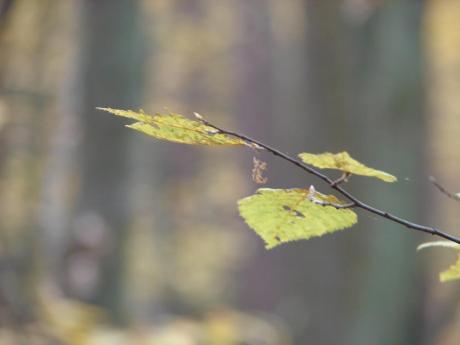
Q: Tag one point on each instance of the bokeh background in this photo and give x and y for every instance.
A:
(111, 237)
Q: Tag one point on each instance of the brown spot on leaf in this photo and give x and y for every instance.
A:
(299, 214)
(286, 208)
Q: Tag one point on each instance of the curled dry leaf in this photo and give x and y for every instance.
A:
(258, 169)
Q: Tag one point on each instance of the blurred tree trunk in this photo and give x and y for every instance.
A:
(28, 76)
(318, 269)
(390, 129)
(253, 92)
(255, 65)
(370, 96)
(111, 72)
(442, 38)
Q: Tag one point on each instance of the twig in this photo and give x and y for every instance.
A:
(312, 197)
(355, 202)
(343, 178)
(443, 190)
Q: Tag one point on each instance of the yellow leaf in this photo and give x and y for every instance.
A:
(284, 215)
(70, 321)
(445, 244)
(343, 161)
(452, 273)
(176, 128)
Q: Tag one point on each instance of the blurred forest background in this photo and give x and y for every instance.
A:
(110, 237)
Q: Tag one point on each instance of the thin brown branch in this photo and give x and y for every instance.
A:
(444, 190)
(354, 202)
(312, 197)
(343, 178)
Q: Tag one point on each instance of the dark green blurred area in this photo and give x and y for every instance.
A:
(110, 237)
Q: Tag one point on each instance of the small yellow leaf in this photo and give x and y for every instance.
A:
(176, 128)
(284, 215)
(445, 244)
(70, 321)
(342, 161)
(452, 273)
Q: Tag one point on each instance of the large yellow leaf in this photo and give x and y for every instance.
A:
(452, 273)
(176, 128)
(343, 161)
(284, 215)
